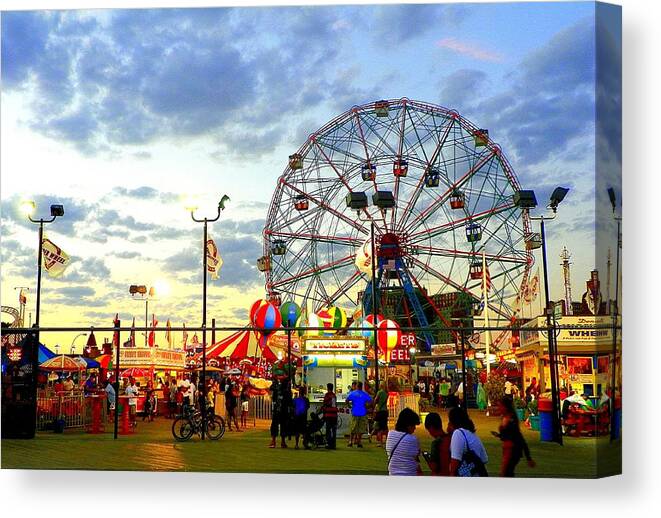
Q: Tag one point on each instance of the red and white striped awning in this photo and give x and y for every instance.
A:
(243, 344)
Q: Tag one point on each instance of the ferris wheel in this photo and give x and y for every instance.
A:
(436, 190)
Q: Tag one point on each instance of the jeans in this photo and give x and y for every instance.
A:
(331, 431)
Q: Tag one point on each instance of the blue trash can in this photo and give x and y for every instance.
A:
(545, 407)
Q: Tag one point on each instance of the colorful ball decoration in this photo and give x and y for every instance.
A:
(388, 338)
(256, 305)
(268, 318)
(326, 321)
(318, 320)
(301, 324)
(338, 317)
(290, 313)
(370, 319)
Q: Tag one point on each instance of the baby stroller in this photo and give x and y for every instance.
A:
(314, 436)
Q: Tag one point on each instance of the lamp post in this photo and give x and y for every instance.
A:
(616, 310)
(141, 289)
(383, 200)
(73, 342)
(28, 208)
(526, 200)
(203, 381)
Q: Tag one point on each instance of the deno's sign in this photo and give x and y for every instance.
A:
(400, 354)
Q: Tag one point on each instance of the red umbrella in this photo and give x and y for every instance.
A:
(135, 372)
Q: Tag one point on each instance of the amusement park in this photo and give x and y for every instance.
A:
(404, 274)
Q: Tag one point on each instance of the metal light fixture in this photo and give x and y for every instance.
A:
(525, 199)
(557, 196)
(57, 210)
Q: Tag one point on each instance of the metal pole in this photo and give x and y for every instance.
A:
(204, 332)
(553, 360)
(615, 315)
(146, 316)
(119, 341)
(289, 353)
(376, 335)
(35, 351)
(463, 369)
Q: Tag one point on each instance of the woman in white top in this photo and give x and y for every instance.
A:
(464, 440)
(402, 446)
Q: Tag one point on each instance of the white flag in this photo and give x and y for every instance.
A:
(55, 260)
(364, 258)
(214, 261)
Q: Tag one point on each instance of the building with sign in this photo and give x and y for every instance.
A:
(585, 346)
(339, 360)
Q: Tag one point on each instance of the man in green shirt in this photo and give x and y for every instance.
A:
(381, 414)
(444, 391)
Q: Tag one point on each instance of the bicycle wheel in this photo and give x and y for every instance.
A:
(182, 429)
(215, 428)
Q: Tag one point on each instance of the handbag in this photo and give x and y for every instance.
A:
(471, 464)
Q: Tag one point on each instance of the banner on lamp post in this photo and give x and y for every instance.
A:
(55, 260)
(214, 261)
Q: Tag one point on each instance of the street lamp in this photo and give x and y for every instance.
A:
(203, 382)
(146, 296)
(357, 201)
(616, 308)
(526, 200)
(73, 342)
(28, 208)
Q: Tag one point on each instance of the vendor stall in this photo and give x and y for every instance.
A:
(337, 360)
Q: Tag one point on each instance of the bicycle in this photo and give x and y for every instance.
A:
(190, 422)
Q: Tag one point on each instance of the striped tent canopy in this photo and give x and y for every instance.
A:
(239, 345)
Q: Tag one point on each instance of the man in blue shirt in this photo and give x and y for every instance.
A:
(359, 400)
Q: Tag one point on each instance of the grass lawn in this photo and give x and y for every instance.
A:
(153, 448)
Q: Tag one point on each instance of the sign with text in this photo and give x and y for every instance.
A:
(334, 345)
(151, 356)
(443, 349)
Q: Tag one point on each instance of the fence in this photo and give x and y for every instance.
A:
(73, 409)
(398, 402)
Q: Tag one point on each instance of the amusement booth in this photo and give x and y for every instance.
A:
(340, 360)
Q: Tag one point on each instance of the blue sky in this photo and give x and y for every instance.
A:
(120, 113)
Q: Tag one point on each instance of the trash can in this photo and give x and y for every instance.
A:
(545, 407)
(617, 418)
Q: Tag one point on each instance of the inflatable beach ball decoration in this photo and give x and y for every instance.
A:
(326, 321)
(317, 320)
(338, 317)
(301, 324)
(370, 319)
(389, 335)
(256, 305)
(268, 319)
(290, 313)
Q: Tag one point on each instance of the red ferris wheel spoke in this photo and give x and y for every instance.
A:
(418, 189)
(453, 225)
(447, 252)
(327, 207)
(346, 286)
(342, 240)
(431, 302)
(425, 214)
(315, 270)
(339, 175)
(457, 286)
(400, 148)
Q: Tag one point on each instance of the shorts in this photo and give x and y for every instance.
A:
(358, 424)
(381, 420)
(300, 423)
(244, 406)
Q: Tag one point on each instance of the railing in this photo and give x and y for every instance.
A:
(398, 402)
(71, 408)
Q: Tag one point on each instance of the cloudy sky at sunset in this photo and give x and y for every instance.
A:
(121, 114)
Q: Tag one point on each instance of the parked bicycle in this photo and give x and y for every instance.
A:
(190, 422)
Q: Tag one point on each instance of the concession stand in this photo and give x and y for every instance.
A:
(151, 363)
(339, 360)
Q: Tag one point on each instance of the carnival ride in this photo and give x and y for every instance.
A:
(442, 196)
